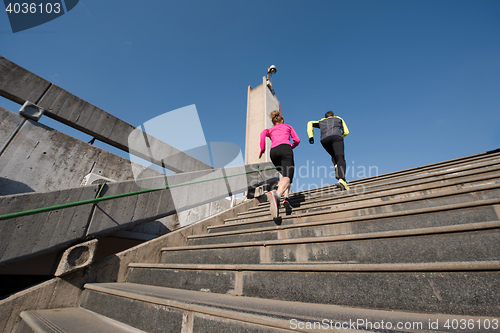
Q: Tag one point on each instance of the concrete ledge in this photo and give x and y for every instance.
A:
(448, 266)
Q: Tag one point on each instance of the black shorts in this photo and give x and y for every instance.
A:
(282, 158)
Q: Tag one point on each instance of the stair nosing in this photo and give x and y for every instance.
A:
(476, 265)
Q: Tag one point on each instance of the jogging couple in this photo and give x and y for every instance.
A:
(333, 130)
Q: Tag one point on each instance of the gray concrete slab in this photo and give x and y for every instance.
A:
(9, 124)
(142, 315)
(75, 320)
(20, 85)
(361, 224)
(483, 176)
(335, 210)
(273, 313)
(40, 233)
(327, 283)
(40, 159)
(53, 99)
(473, 241)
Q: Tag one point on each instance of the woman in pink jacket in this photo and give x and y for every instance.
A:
(282, 157)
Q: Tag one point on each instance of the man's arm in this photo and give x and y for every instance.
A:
(310, 131)
(344, 127)
(310, 126)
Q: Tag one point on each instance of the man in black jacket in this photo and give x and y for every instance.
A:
(333, 131)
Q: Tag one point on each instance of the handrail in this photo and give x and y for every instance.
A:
(115, 196)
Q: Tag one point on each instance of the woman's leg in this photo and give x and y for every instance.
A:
(284, 187)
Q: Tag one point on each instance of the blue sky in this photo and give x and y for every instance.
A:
(416, 81)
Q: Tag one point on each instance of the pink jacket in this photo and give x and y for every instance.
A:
(279, 134)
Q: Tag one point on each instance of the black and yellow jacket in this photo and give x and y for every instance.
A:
(328, 127)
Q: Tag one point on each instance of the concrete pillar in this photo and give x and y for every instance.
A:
(261, 102)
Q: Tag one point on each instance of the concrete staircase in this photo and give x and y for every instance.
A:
(411, 251)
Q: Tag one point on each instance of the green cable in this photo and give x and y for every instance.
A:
(115, 196)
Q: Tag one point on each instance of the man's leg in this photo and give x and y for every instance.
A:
(328, 145)
(338, 149)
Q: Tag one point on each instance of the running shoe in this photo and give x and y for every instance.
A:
(274, 201)
(342, 185)
(287, 204)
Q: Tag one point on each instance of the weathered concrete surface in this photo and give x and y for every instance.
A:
(26, 236)
(20, 85)
(415, 291)
(66, 291)
(68, 319)
(260, 103)
(37, 158)
(373, 223)
(76, 257)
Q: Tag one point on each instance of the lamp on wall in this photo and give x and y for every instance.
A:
(270, 71)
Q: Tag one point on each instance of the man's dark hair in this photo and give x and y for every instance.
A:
(329, 114)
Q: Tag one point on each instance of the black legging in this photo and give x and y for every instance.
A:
(334, 145)
(282, 158)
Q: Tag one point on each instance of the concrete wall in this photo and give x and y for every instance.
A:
(260, 103)
(20, 86)
(22, 237)
(36, 158)
(41, 167)
(66, 291)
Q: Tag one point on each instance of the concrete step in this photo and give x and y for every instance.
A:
(483, 173)
(473, 241)
(160, 309)
(462, 176)
(430, 169)
(477, 211)
(74, 320)
(333, 210)
(402, 177)
(493, 156)
(374, 196)
(460, 288)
